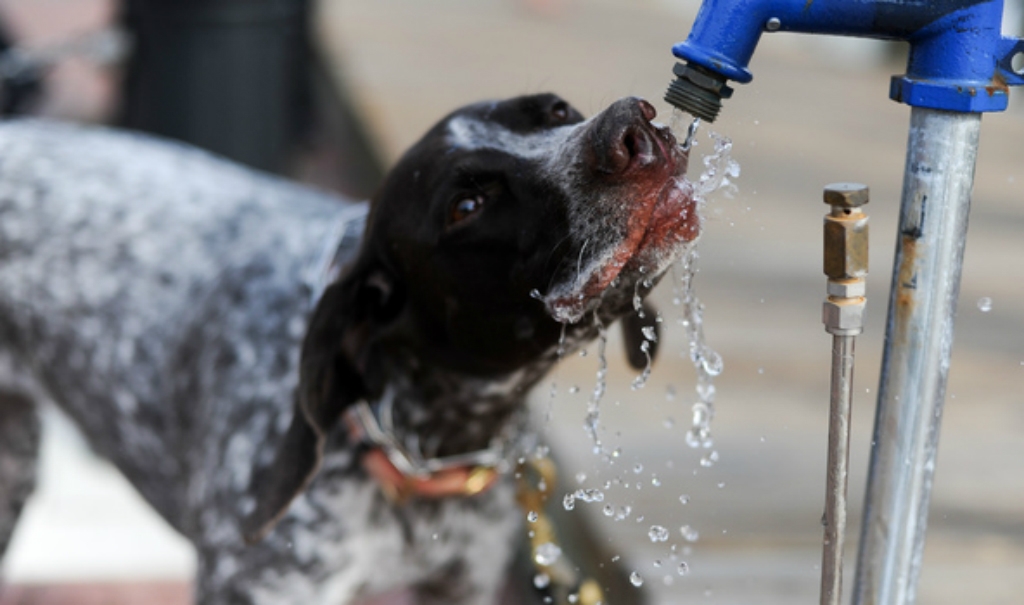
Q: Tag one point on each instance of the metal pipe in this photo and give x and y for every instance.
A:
(941, 152)
(846, 265)
(838, 470)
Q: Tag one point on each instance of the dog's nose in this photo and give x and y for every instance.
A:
(621, 137)
(646, 109)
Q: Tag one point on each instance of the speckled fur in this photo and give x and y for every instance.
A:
(190, 316)
(159, 296)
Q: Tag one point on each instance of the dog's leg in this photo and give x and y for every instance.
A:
(19, 451)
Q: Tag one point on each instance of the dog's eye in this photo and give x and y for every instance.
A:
(464, 208)
(560, 111)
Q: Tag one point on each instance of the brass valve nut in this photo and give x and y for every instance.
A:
(846, 195)
(843, 317)
(846, 245)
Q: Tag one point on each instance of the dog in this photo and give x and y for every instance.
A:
(326, 398)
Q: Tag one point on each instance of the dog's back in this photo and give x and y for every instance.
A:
(123, 265)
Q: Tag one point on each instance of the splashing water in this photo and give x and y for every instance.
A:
(641, 381)
(706, 361)
(593, 418)
(678, 122)
(569, 502)
(547, 553)
(689, 533)
(657, 533)
(719, 169)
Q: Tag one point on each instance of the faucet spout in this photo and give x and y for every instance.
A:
(958, 59)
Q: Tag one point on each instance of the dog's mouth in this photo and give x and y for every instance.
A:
(661, 220)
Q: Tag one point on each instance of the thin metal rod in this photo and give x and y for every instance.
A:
(941, 152)
(838, 469)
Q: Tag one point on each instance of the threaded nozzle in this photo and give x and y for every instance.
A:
(697, 91)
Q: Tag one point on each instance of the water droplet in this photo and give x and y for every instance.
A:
(636, 580)
(684, 499)
(984, 304)
(657, 562)
(608, 510)
(589, 495)
(710, 459)
(623, 513)
(657, 533)
(547, 553)
(649, 333)
(569, 502)
(638, 468)
(581, 477)
(535, 293)
(712, 363)
(541, 581)
(617, 452)
(683, 569)
(531, 516)
(655, 481)
(721, 485)
(692, 438)
(689, 533)
(669, 422)
(574, 389)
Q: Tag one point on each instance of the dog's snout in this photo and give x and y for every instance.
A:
(621, 137)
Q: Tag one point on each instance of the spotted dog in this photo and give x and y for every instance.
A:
(324, 397)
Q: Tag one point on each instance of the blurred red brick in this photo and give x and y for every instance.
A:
(135, 593)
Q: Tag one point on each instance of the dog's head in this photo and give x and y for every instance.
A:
(506, 222)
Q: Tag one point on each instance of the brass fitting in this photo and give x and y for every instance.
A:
(845, 258)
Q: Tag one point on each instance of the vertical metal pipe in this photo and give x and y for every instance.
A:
(846, 265)
(941, 152)
(838, 470)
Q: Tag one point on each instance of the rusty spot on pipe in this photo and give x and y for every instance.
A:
(998, 85)
(907, 282)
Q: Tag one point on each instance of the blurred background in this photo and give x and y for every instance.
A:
(817, 112)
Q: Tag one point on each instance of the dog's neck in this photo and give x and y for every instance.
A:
(438, 413)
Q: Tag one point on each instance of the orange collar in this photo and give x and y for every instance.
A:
(462, 481)
(402, 474)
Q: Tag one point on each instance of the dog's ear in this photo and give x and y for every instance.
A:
(338, 368)
(633, 337)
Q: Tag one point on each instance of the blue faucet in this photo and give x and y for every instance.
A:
(958, 60)
(959, 67)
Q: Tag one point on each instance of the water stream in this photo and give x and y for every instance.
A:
(719, 170)
(716, 175)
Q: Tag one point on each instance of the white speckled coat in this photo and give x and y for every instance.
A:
(194, 319)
